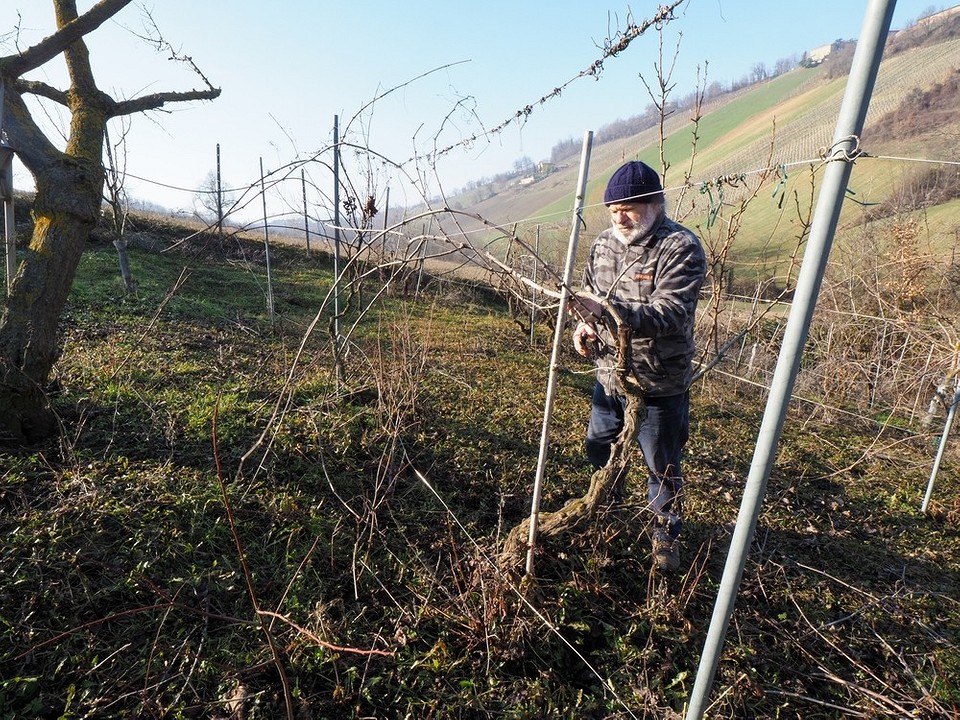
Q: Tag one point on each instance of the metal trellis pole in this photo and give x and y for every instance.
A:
(306, 215)
(853, 111)
(557, 339)
(951, 414)
(422, 252)
(9, 220)
(220, 196)
(336, 234)
(383, 238)
(535, 295)
(6, 194)
(266, 244)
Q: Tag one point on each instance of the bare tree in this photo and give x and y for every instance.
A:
(785, 65)
(759, 72)
(524, 165)
(212, 202)
(69, 190)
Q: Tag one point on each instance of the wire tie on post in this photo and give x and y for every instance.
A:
(840, 153)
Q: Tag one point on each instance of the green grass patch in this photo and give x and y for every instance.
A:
(201, 479)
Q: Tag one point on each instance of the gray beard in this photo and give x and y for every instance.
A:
(629, 237)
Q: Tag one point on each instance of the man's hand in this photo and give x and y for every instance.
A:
(586, 308)
(585, 339)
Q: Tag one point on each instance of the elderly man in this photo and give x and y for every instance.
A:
(649, 270)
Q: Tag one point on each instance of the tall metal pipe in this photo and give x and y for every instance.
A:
(951, 414)
(336, 233)
(576, 221)
(6, 184)
(266, 244)
(853, 112)
(220, 196)
(306, 213)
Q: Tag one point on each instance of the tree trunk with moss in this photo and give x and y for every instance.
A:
(65, 211)
(69, 190)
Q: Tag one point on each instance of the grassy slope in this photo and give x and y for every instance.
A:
(122, 590)
(787, 120)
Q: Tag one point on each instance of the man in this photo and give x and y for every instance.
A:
(649, 270)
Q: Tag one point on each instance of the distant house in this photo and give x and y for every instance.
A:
(938, 16)
(544, 167)
(817, 55)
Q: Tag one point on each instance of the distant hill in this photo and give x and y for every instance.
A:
(783, 123)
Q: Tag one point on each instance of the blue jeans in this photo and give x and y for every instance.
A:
(661, 435)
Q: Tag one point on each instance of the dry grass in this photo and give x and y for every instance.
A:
(353, 574)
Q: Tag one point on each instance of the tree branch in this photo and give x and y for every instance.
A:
(33, 147)
(35, 87)
(156, 101)
(14, 66)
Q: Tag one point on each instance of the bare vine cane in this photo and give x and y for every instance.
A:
(603, 483)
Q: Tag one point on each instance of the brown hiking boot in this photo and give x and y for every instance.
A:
(666, 552)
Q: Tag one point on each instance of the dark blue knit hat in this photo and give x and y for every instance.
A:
(634, 182)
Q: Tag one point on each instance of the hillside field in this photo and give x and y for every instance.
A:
(768, 140)
(226, 529)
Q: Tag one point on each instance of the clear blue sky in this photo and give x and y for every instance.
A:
(287, 67)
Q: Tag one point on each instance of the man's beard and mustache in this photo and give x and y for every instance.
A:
(643, 225)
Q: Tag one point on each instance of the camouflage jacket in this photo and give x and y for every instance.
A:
(654, 283)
